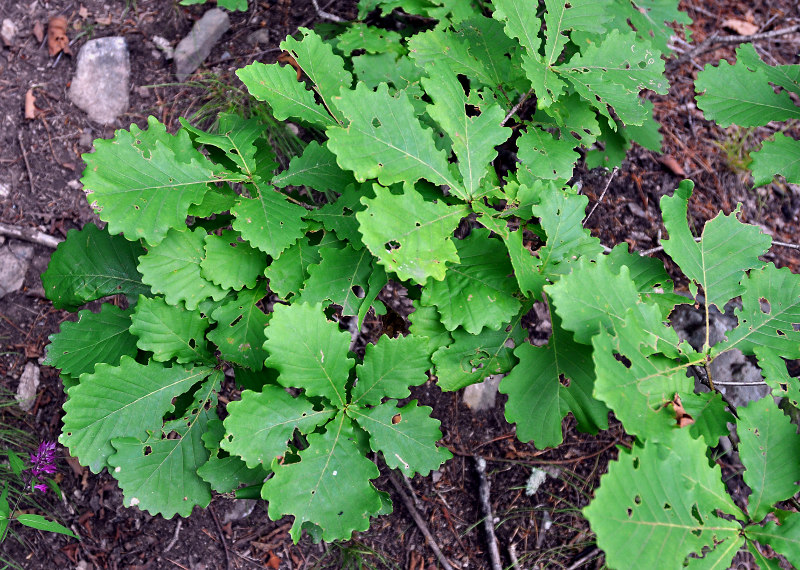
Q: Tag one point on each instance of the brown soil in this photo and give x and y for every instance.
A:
(40, 163)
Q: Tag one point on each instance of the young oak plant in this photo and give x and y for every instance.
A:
(201, 243)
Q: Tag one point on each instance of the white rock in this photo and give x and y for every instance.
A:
(28, 384)
(164, 45)
(8, 32)
(102, 80)
(5, 190)
(14, 263)
(195, 47)
(482, 396)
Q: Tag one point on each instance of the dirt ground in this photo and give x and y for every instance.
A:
(40, 168)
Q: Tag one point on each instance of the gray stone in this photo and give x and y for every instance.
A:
(483, 395)
(101, 83)
(28, 384)
(260, 36)
(8, 32)
(195, 47)
(14, 261)
(239, 509)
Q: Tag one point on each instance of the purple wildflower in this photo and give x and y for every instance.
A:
(43, 463)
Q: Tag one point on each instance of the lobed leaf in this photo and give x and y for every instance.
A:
(91, 264)
(329, 486)
(230, 262)
(239, 333)
(170, 332)
(268, 220)
(315, 168)
(390, 367)
(778, 156)
(92, 339)
(337, 278)
(309, 351)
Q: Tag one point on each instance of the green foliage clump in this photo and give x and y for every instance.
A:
(234, 267)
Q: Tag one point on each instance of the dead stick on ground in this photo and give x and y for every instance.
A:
(221, 536)
(486, 511)
(420, 524)
(27, 164)
(29, 234)
(602, 195)
(714, 41)
(174, 536)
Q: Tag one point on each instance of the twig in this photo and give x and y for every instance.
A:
(175, 535)
(27, 164)
(713, 41)
(584, 559)
(486, 511)
(656, 249)
(327, 15)
(602, 195)
(221, 536)
(516, 107)
(29, 234)
(512, 554)
(784, 244)
(420, 524)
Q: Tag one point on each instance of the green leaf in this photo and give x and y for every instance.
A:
(330, 485)
(650, 18)
(260, 425)
(384, 140)
(226, 473)
(337, 277)
(173, 268)
(548, 157)
(116, 401)
(561, 215)
(427, 323)
(309, 351)
(170, 331)
(390, 367)
(783, 536)
(593, 298)
(471, 358)
(762, 561)
(741, 94)
(647, 273)
(41, 523)
(406, 436)
(269, 221)
(773, 369)
(525, 264)
(408, 235)
(91, 264)
(474, 138)
(316, 168)
(768, 447)
(710, 414)
(216, 201)
(476, 293)
(235, 136)
(95, 337)
(230, 262)
(573, 116)
(371, 39)
(549, 382)
(159, 474)
(441, 45)
(285, 93)
(324, 68)
(240, 328)
(339, 216)
(727, 249)
(770, 326)
(288, 273)
(143, 183)
(656, 504)
(778, 156)
(640, 388)
(614, 72)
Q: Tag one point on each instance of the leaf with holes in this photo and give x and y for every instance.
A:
(118, 401)
(260, 425)
(170, 332)
(406, 436)
(778, 156)
(661, 499)
(239, 333)
(329, 486)
(390, 367)
(268, 220)
(546, 156)
(338, 277)
(409, 235)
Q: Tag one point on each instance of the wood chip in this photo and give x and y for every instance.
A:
(38, 31)
(31, 112)
(672, 164)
